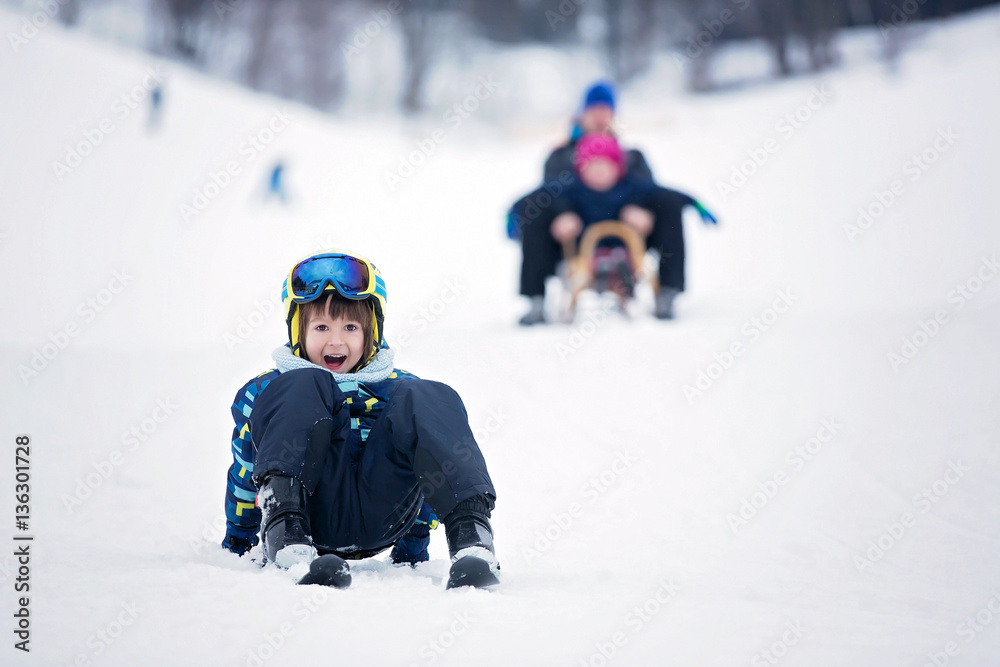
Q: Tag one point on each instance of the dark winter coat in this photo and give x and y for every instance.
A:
(593, 206)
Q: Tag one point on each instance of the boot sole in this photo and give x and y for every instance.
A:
(471, 571)
(328, 570)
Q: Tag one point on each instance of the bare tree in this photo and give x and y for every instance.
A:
(697, 27)
(817, 21)
(295, 50)
(418, 42)
(185, 21)
(629, 38)
(643, 30)
(69, 12)
(776, 27)
(891, 34)
(322, 31)
(613, 39)
(264, 16)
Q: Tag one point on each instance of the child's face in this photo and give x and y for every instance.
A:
(599, 174)
(336, 344)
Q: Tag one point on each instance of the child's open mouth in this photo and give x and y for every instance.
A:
(334, 361)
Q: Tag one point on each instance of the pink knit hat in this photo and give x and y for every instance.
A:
(592, 146)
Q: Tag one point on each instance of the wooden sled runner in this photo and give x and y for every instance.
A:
(609, 259)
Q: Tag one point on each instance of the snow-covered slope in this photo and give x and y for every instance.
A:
(758, 483)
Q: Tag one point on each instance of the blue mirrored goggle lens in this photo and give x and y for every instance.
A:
(348, 274)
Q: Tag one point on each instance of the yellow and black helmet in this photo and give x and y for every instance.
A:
(347, 274)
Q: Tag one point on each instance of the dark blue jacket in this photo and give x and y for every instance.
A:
(366, 401)
(593, 206)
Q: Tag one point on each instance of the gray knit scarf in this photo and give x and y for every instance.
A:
(378, 369)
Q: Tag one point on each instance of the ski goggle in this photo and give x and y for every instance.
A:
(352, 277)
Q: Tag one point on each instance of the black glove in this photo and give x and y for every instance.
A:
(239, 540)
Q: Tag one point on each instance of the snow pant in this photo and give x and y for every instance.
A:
(541, 253)
(420, 447)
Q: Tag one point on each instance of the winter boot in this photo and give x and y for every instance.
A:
(470, 544)
(285, 522)
(328, 570)
(665, 303)
(537, 313)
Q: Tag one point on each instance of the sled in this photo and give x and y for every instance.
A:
(610, 258)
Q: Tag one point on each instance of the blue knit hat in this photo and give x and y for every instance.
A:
(602, 92)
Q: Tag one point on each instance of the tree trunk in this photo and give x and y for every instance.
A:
(260, 37)
(416, 49)
(69, 12)
(321, 33)
(776, 28)
(613, 40)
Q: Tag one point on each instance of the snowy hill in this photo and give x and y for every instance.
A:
(801, 470)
